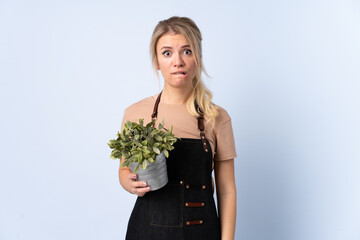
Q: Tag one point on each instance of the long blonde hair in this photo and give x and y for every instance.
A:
(200, 93)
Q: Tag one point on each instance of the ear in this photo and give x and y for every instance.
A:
(157, 66)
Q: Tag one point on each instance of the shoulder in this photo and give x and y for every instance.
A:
(222, 118)
(222, 121)
(224, 136)
(141, 109)
(145, 103)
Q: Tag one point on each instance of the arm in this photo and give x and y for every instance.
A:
(226, 197)
(128, 181)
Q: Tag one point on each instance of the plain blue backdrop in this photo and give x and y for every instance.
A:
(286, 71)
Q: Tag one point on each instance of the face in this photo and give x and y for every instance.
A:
(176, 61)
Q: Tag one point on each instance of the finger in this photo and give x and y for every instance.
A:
(132, 176)
(141, 191)
(138, 184)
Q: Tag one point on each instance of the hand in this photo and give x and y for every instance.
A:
(136, 187)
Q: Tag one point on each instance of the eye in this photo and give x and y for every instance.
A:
(166, 53)
(187, 52)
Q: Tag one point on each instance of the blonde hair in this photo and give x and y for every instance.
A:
(200, 94)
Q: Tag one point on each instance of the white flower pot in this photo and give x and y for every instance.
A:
(155, 173)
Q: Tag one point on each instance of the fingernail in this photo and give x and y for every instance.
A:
(144, 183)
(134, 176)
(149, 188)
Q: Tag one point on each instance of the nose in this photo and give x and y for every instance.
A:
(178, 61)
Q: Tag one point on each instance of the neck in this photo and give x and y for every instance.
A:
(175, 95)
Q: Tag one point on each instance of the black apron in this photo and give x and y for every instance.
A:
(183, 209)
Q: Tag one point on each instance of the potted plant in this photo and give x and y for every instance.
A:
(144, 149)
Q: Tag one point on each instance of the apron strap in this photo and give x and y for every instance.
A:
(200, 119)
(155, 111)
(201, 126)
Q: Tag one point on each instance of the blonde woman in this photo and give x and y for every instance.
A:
(185, 207)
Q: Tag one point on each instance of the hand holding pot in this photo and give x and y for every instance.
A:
(129, 183)
(138, 188)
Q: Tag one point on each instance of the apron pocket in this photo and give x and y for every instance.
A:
(166, 206)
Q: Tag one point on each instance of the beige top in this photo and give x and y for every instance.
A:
(185, 125)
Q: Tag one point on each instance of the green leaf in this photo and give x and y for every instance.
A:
(166, 153)
(150, 124)
(156, 150)
(136, 169)
(150, 130)
(133, 158)
(126, 163)
(144, 164)
(128, 124)
(157, 137)
(117, 154)
(125, 154)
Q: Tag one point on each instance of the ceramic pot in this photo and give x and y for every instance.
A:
(155, 173)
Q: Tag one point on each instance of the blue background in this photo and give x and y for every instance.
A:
(286, 71)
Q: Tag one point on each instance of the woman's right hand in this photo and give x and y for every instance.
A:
(137, 187)
(129, 183)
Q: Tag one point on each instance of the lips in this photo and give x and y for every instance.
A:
(179, 73)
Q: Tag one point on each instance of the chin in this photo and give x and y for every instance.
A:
(181, 84)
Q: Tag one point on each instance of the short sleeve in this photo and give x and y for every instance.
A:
(139, 110)
(225, 143)
(124, 119)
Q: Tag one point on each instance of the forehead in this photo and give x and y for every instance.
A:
(172, 40)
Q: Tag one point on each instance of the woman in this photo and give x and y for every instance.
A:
(184, 208)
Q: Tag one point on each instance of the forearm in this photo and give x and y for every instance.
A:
(123, 177)
(227, 214)
(226, 196)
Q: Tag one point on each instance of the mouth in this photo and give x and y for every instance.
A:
(179, 73)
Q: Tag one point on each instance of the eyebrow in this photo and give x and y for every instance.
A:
(184, 46)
